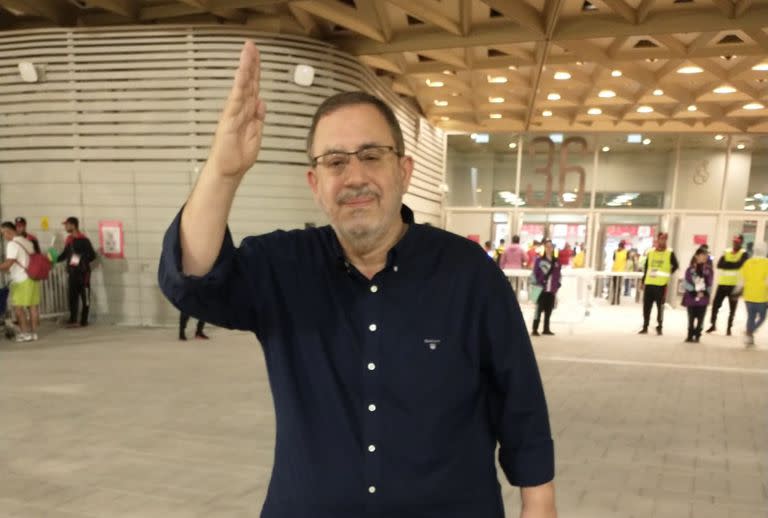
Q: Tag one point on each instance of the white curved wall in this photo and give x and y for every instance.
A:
(122, 122)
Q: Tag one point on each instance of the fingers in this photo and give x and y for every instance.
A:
(243, 86)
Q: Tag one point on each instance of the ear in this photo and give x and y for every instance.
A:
(406, 172)
(313, 180)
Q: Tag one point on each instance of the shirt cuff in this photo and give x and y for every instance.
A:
(531, 466)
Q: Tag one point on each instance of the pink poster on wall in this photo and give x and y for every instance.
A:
(111, 242)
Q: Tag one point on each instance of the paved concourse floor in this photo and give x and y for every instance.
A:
(118, 422)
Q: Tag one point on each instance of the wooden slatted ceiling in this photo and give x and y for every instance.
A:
(120, 124)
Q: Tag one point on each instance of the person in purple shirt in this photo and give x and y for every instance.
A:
(547, 274)
(514, 256)
(698, 288)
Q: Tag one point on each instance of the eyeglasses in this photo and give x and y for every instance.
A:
(370, 157)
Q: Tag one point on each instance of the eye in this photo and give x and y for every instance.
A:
(371, 155)
(335, 161)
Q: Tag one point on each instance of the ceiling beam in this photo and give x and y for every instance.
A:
(234, 15)
(447, 57)
(643, 9)
(127, 8)
(759, 37)
(383, 63)
(305, 20)
(520, 12)
(726, 7)
(465, 16)
(619, 7)
(60, 13)
(551, 13)
(344, 15)
(427, 13)
(673, 44)
(377, 16)
(742, 7)
(158, 12)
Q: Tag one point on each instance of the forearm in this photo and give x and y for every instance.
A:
(539, 501)
(204, 220)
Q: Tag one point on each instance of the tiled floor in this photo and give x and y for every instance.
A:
(116, 422)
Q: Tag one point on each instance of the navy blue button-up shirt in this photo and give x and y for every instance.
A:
(390, 394)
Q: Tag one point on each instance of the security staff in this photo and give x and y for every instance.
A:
(728, 277)
(659, 267)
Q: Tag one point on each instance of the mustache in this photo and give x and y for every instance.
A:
(351, 194)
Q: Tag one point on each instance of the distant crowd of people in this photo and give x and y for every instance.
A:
(739, 274)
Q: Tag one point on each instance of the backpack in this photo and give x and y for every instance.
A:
(39, 266)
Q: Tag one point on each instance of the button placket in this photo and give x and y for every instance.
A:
(372, 312)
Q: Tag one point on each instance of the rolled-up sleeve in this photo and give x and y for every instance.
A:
(226, 296)
(517, 403)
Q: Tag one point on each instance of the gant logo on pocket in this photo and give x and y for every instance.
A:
(432, 343)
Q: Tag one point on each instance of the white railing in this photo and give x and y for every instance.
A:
(53, 292)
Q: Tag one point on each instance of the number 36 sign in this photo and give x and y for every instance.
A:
(545, 146)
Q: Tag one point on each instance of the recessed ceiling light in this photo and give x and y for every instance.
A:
(448, 72)
(606, 149)
(495, 116)
(761, 67)
(753, 106)
(553, 97)
(741, 146)
(579, 63)
(651, 60)
(692, 108)
(658, 92)
(444, 118)
(724, 89)
(644, 109)
(455, 94)
(594, 111)
(606, 94)
(434, 84)
(562, 76)
(616, 73)
(441, 103)
(719, 137)
(546, 113)
(512, 67)
(512, 145)
(495, 100)
(690, 69)
(497, 79)
(728, 57)
(646, 141)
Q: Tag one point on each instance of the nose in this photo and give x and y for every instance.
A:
(354, 173)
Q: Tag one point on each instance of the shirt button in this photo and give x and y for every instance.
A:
(372, 489)
(371, 407)
(372, 328)
(371, 366)
(395, 268)
(374, 288)
(372, 448)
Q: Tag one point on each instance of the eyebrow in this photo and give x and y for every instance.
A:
(362, 146)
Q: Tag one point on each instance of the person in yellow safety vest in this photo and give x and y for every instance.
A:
(659, 267)
(619, 266)
(499, 251)
(728, 277)
(755, 276)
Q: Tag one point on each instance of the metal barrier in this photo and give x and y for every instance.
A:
(53, 292)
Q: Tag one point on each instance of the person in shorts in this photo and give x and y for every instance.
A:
(25, 292)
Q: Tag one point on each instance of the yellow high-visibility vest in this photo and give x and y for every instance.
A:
(730, 277)
(659, 267)
(620, 263)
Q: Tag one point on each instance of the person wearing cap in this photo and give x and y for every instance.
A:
(698, 289)
(728, 277)
(754, 275)
(660, 264)
(21, 229)
(619, 266)
(78, 255)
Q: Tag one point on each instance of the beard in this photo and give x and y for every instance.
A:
(362, 228)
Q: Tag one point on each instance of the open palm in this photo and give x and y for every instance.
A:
(237, 141)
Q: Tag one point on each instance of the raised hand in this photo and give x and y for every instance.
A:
(237, 140)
